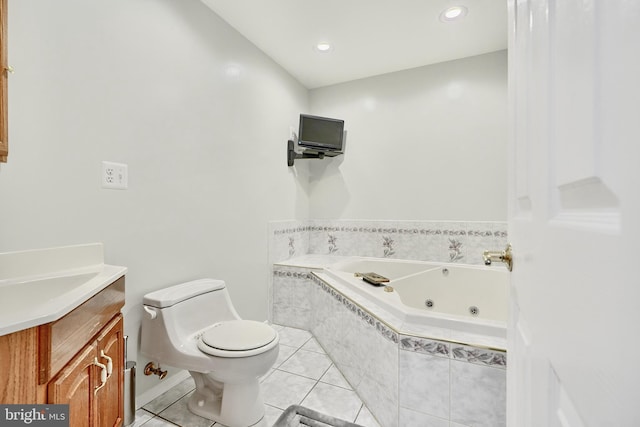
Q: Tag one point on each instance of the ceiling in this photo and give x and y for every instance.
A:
(368, 37)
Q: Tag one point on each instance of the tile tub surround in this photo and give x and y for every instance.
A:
(291, 302)
(453, 382)
(311, 243)
(440, 241)
(404, 379)
(377, 360)
(367, 358)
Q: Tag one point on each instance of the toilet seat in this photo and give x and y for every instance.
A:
(237, 338)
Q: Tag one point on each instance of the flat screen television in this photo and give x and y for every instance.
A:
(320, 133)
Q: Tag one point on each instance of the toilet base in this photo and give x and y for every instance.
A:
(230, 404)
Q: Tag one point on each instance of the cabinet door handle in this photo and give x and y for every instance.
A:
(103, 374)
(109, 363)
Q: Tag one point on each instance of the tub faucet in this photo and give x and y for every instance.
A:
(502, 256)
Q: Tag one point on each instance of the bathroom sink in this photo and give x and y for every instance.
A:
(22, 294)
(42, 286)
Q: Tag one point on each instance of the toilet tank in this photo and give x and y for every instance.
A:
(173, 313)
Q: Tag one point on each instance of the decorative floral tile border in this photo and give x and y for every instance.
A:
(440, 241)
(292, 274)
(480, 356)
(426, 346)
(394, 230)
(289, 230)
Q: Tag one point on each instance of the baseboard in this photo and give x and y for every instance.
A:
(163, 386)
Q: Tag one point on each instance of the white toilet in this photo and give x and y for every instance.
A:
(194, 326)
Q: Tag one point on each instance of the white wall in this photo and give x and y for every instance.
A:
(201, 117)
(146, 83)
(428, 143)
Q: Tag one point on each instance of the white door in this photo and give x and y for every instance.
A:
(574, 214)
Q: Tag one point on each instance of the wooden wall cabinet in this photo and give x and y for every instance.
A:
(4, 68)
(71, 357)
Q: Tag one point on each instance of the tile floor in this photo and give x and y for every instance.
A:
(303, 374)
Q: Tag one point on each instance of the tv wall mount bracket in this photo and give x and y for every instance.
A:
(307, 154)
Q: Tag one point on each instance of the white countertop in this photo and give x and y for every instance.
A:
(41, 286)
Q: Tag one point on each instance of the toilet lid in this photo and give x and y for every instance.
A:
(239, 335)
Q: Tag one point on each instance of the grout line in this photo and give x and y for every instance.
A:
(294, 352)
(305, 343)
(325, 372)
(163, 419)
(309, 392)
(151, 413)
(267, 375)
(301, 376)
(450, 388)
(173, 402)
(339, 386)
(316, 380)
(358, 414)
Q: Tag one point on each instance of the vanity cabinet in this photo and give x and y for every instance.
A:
(92, 382)
(76, 360)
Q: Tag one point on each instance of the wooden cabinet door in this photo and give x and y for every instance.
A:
(110, 398)
(74, 385)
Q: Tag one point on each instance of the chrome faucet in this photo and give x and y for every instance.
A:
(502, 256)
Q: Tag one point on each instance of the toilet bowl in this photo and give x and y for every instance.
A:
(194, 326)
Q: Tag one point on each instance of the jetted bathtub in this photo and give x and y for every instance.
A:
(453, 302)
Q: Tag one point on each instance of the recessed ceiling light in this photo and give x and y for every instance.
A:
(453, 13)
(324, 47)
